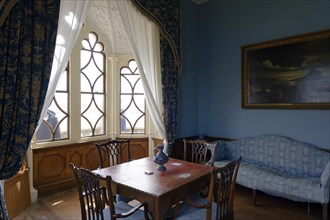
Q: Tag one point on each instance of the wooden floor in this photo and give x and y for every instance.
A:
(65, 205)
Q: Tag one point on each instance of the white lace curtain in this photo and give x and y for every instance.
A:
(144, 38)
(71, 19)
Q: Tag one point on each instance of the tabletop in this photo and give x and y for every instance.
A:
(161, 188)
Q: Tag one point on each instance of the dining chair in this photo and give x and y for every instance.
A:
(219, 203)
(96, 198)
(114, 150)
(201, 151)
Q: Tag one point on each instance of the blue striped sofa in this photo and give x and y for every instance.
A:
(280, 166)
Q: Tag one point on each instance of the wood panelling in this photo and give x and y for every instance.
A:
(17, 189)
(139, 148)
(51, 166)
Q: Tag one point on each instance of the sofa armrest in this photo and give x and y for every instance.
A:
(325, 176)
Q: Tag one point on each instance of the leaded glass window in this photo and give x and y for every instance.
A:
(132, 102)
(92, 86)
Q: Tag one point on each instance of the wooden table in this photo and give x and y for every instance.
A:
(159, 189)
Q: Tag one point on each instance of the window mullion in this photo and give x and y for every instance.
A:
(75, 92)
(112, 97)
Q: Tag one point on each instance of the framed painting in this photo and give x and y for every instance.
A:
(289, 73)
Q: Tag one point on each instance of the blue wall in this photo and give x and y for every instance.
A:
(210, 83)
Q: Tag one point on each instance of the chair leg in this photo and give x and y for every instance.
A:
(254, 196)
(325, 211)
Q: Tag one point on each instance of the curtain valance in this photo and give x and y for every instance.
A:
(166, 14)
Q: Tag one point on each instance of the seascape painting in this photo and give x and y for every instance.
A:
(288, 73)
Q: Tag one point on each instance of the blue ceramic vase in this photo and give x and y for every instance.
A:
(160, 157)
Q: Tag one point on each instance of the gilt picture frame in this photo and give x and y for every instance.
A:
(289, 73)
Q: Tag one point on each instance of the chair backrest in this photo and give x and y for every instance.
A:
(92, 195)
(116, 150)
(224, 190)
(202, 152)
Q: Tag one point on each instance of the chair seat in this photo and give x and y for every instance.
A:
(122, 207)
(123, 198)
(187, 212)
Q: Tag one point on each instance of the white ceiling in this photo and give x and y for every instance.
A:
(105, 16)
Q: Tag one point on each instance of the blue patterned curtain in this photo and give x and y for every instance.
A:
(166, 14)
(27, 42)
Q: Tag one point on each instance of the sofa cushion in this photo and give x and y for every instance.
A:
(291, 187)
(280, 183)
(222, 163)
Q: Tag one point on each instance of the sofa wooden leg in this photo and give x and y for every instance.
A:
(308, 208)
(325, 211)
(254, 196)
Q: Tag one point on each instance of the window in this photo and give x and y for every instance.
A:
(105, 91)
(55, 125)
(92, 87)
(132, 104)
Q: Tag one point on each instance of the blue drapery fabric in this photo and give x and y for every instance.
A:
(166, 14)
(27, 43)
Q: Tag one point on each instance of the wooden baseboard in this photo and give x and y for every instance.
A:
(56, 187)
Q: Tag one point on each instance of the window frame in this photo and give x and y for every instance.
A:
(134, 95)
(92, 92)
(113, 64)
